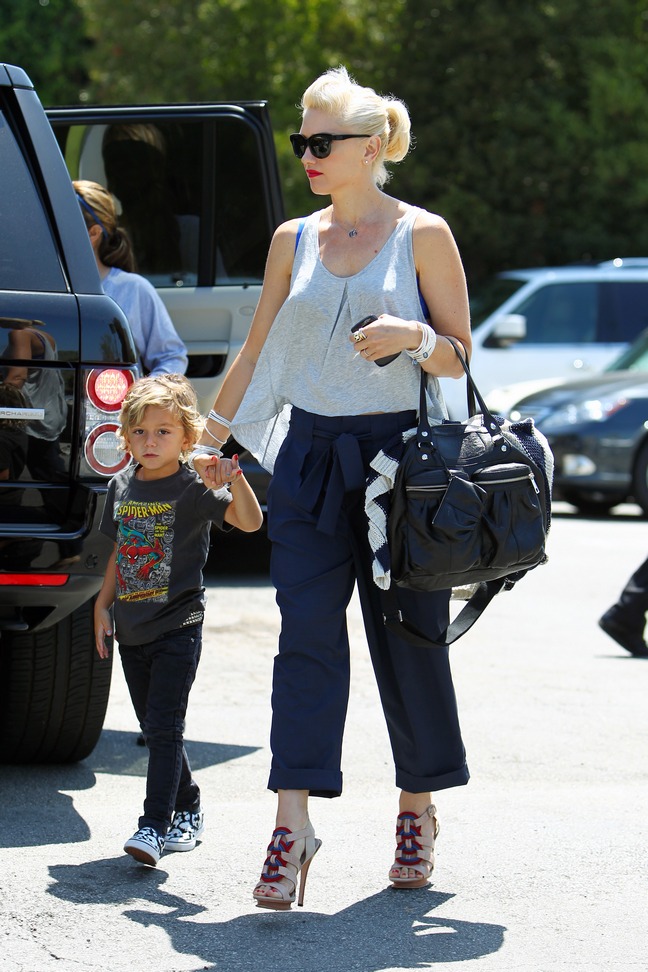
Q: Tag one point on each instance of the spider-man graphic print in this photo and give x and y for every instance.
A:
(144, 549)
(161, 532)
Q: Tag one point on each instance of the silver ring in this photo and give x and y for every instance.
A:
(359, 336)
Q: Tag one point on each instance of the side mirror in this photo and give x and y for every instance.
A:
(507, 330)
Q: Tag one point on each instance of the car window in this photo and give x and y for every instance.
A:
(624, 310)
(487, 296)
(28, 256)
(190, 192)
(154, 171)
(243, 227)
(561, 314)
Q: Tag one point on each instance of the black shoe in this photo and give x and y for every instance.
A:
(632, 641)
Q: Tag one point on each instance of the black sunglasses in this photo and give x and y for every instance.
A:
(320, 144)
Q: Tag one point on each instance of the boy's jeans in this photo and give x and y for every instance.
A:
(159, 676)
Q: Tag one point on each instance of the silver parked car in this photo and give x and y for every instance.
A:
(598, 430)
(552, 323)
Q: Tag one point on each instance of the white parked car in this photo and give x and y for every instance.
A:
(536, 325)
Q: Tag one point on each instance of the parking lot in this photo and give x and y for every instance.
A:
(540, 866)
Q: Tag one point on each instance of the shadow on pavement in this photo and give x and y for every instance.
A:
(117, 753)
(34, 792)
(386, 931)
(32, 797)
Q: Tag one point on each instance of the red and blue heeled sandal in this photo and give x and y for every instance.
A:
(289, 854)
(414, 851)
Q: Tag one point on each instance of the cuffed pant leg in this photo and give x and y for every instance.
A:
(415, 685)
(313, 577)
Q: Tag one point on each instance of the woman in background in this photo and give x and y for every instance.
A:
(156, 339)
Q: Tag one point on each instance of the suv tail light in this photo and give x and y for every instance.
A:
(105, 390)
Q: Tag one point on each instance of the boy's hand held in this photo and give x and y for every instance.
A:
(103, 630)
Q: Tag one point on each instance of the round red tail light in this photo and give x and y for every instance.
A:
(107, 387)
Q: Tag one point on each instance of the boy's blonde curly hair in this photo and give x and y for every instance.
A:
(173, 392)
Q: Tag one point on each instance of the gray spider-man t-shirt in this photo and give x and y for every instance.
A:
(161, 528)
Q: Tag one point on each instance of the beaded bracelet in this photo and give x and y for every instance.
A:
(427, 345)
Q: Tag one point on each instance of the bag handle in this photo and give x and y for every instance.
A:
(472, 610)
(424, 431)
(473, 395)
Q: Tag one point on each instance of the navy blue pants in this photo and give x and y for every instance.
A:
(159, 677)
(320, 548)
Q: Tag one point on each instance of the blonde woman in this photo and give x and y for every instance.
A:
(306, 396)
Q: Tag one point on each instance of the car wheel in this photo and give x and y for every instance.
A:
(53, 692)
(588, 505)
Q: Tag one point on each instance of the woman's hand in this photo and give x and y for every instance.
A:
(216, 472)
(384, 336)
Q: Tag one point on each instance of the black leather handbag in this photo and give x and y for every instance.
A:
(470, 507)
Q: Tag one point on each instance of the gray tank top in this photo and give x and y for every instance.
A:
(307, 359)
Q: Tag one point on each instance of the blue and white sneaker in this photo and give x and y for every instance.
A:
(146, 846)
(185, 828)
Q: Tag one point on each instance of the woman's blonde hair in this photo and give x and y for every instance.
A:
(173, 392)
(98, 208)
(337, 94)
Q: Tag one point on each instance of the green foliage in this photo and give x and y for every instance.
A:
(530, 117)
(531, 121)
(47, 39)
(210, 50)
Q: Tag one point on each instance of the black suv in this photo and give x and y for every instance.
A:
(66, 360)
(198, 188)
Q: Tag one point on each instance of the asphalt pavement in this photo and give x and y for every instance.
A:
(541, 859)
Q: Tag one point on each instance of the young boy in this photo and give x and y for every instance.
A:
(158, 512)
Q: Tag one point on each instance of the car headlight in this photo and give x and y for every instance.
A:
(593, 410)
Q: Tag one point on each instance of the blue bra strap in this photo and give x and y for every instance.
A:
(300, 230)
